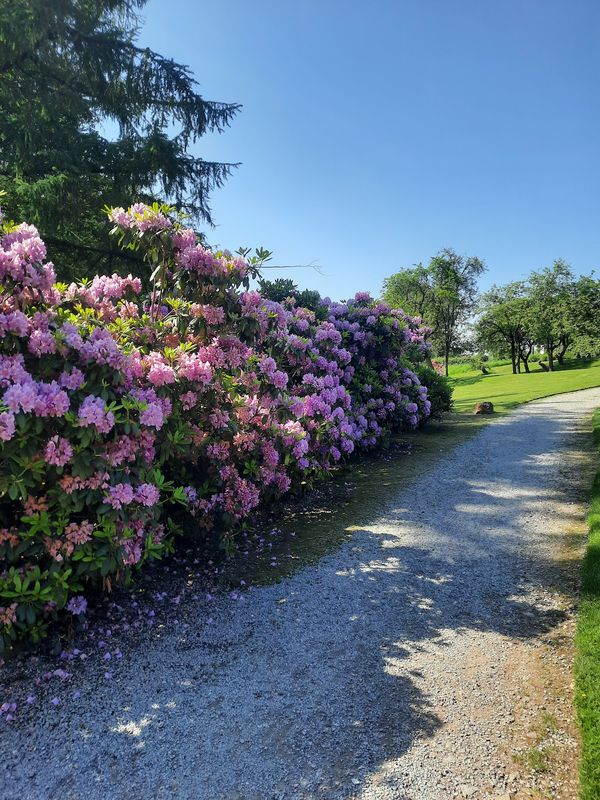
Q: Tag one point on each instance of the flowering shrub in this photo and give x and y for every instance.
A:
(80, 482)
(202, 395)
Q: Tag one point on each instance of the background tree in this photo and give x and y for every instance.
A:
(504, 324)
(444, 294)
(585, 312)
(552, 299)
(278, 290)
(283, 288)
(91, 118)
(411, 290)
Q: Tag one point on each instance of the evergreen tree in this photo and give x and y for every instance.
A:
(71, 70)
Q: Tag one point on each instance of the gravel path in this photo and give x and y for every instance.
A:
(390, 671)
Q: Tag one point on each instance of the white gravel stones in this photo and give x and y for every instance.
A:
(382, 673)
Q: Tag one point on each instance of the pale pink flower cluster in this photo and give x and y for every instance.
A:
(79, 533)
(8, 615)
(58, 451)
(73, 483)
(22, 252)
(192, 367)
(141, 218)
(212, 315)
(160, 373)
(201, 261)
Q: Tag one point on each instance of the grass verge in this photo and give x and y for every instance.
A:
(587, 647)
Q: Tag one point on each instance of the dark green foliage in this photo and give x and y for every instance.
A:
(70, 73)
(278, 290)
(439, 391)
(283, 288)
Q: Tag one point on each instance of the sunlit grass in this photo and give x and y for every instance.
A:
(587, 643)
(506, 391)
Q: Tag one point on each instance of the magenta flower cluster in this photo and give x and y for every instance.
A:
(121, 412)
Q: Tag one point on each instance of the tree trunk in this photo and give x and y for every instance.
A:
(525, 353)
(550, 348)
(513, 358)
(565, 342)
(446, 358)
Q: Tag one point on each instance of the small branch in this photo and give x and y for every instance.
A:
(317, 267)
(85, 248)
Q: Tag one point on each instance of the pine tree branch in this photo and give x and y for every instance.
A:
(86, 248)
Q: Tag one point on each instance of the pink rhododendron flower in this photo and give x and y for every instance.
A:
(79, 533)
(41, 342)
(120, 495)
(147, 494)
(7, 426)
(58, 451)
(71, 380)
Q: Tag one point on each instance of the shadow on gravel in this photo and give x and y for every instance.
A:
(307, 689)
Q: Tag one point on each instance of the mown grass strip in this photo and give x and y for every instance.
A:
(507, 391)
(587, 645)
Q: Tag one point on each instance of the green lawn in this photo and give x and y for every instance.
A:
(587, 643)
(506, 390)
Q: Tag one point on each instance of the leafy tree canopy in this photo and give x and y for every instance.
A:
(443, 293)
(505, 323)
(283, 288)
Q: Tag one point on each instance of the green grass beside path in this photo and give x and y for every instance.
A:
(506, 391)
(587, 648)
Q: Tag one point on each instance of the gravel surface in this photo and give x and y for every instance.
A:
(389, 671)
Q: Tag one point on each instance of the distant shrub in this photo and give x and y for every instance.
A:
(439, 391)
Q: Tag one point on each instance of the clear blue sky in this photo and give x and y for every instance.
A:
(374, 134)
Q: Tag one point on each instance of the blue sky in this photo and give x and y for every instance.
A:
(374, 134)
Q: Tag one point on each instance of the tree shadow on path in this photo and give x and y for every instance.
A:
(309, 688)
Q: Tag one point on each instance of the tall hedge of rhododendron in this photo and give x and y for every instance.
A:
(118, 406)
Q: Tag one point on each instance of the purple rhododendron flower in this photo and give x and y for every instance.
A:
(77, 605)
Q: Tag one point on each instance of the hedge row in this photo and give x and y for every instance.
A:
(119, 406)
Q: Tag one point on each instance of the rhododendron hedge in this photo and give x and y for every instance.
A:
(119, 407)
